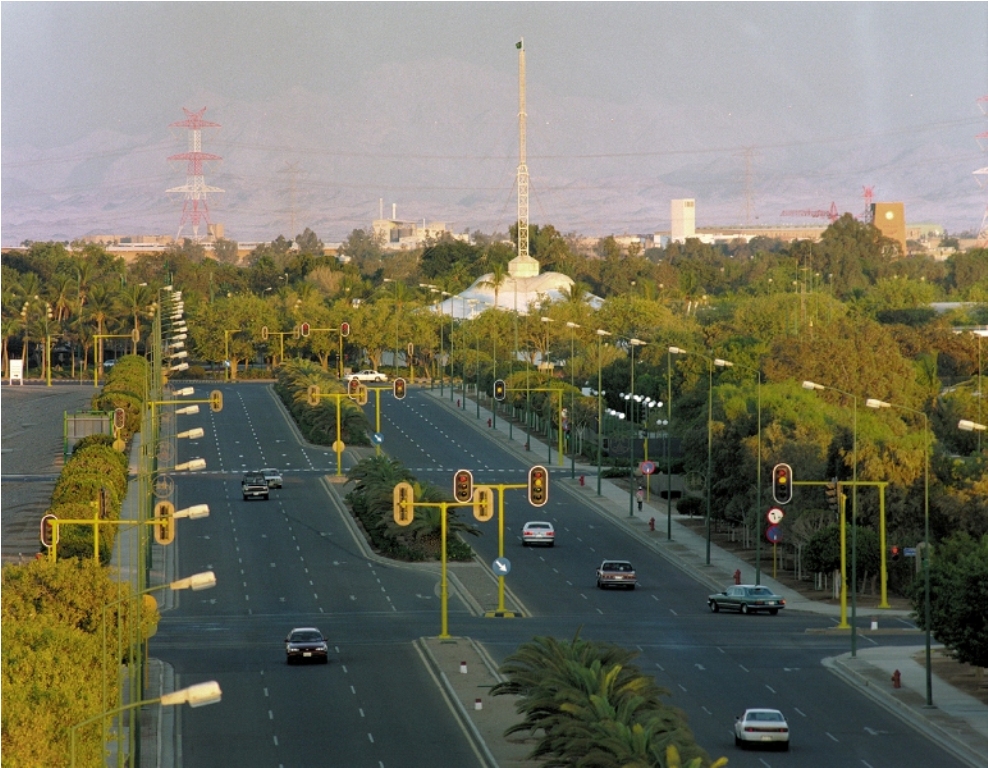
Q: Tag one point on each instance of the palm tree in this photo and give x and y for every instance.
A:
(100, 310)
(134, 300)
(499, 276)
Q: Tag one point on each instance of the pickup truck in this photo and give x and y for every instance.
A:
(254, 486)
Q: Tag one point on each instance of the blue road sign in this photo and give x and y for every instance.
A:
(501, 566)
(774, 534)
(377, 438)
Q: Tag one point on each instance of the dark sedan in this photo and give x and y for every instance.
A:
(746, 598)
(306, 644)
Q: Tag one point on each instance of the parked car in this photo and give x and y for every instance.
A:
(616, 573)
(761, 726)
(538, 532)
(366, 375)
(304, 643)
(746, 598)
(254, 486)
(272, 476)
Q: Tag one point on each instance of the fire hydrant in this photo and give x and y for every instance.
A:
(897, 679)
(583, 481)
(651, 524)
(489, 423)
(737, 576)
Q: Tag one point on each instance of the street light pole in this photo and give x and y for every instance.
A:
(854, 512)
(710, 415)
(758, 473)
(632, 343)
(572, 399)
(873, 403)
(669, 446)
(600, 415)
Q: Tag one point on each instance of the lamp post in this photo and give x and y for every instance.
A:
(758, 474)
(632, 343)
(473, 304)
(226, 350)
(873, 403)
(389, 280)
(854, 513)
(600, 414)
(669, 445)
(572, 399)
(195, 696)
(545, 362)
(710, 414)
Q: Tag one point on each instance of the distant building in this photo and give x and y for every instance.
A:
(683, 218)
(394, 234)
(890, 219)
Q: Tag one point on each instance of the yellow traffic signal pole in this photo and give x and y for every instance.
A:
(502, 612)
(377, 413)
(338, 446)
(841, 500)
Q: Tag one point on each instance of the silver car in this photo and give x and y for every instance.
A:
(761, 726)
(538, 532)
(273, 476)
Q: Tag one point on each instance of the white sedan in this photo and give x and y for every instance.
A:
(761, 726)
(368, 375)
(538, 532)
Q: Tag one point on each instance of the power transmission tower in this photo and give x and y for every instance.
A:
(195, 207)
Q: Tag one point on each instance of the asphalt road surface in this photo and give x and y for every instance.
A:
(292, 561)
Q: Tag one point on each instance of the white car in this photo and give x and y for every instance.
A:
(273, 476)
(761, 726)
(368, 375)
(538, 532)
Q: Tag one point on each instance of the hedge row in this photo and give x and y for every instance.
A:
(318, 422)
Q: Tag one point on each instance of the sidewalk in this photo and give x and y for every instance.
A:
(957, 722)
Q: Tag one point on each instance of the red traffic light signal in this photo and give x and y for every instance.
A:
(304, 329)
(782, 483)
(538, 486)
(399, 388)
(895, 552)
(344, 329)
(499, 390)
(463, 485)
(353, 388)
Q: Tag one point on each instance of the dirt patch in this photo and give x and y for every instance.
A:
(971, 680)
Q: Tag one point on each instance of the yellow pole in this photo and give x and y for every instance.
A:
(884, 601)
(338, 446)
(843, 561)
(443, 589)
(560, 430)
(500, 546)
(377, 418)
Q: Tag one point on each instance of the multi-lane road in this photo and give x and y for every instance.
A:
(293, 561)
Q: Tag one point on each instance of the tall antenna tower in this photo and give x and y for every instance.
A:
(195, 207)
(523, 265)
(982, 173)
(869, 198)
(522, 155)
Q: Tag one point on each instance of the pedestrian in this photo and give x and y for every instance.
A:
(640, 496)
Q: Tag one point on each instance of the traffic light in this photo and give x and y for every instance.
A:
(164, 519)
(403, 496)
(833, 495)
(361, 393)
(216, 401)
(399, 388)
(538, 486)
(499, 390)
(353, 388)
(483, 503)
(463, 485)
(895, 551)
(264, 333)
(119, 418)
(305, 330)
(782, 483)
(49, 531)
(313, 394)
(344, 329)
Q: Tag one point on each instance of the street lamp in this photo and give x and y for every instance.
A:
(632, 343)
(873, 403)
(758, 475)
(572, 399)
(600, 415)
(710, 418)
(195, 696)
(854, 515)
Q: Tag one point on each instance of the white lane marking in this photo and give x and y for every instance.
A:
(265, 693)
(743, 667)
(600, 612)
(270, 715)
(706, 710)
(832, 736)
(361, 711)
(661, 668)
(353, 690)
(770, 688)
(275, 740)
(683, 687)
(370, 736)
(799, 711)
(673, 612)
(342, 666)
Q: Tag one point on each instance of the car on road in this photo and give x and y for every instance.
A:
(538, 532)
(761, 726)
(616, 573)
(746, 598)
(273, 477)
(367, 375)
(254, 486)
(305, 644)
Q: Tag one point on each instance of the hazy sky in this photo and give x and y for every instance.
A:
(735, 74)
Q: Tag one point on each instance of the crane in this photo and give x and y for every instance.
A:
(830, 213)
